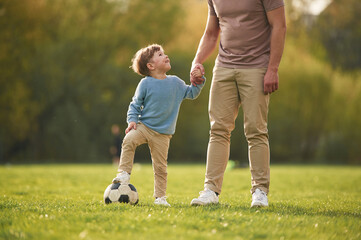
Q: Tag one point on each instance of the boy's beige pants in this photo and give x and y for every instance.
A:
(158, 145)
(230, 89)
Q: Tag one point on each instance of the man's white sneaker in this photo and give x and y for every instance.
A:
(162, 201)
(259, 199)
(206, 197)
(123, 178)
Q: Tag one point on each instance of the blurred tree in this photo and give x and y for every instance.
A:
(300, 110)
(64, 71)
(341, 141)
(18, 108)
(339, 28)
(65, 79)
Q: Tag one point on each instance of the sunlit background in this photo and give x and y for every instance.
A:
(65, 79)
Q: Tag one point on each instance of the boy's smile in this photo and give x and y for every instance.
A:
(160, 62)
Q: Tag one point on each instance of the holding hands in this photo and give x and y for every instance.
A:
(196, 74)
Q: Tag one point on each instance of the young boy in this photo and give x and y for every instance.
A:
(152, 115)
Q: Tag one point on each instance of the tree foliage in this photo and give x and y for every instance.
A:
(65, 79)
(339, 28)
(64, 71)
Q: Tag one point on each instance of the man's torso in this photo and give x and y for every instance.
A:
(245, 31)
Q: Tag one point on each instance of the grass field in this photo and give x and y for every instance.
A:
(65, 202)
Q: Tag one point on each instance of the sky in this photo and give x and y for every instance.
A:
(315, 7)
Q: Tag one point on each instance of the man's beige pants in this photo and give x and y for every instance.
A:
(230, 89)
(158, 145)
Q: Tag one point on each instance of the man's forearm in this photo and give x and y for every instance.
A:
(277, 45)
(206, 47)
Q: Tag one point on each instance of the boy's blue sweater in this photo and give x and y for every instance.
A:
(156, 102)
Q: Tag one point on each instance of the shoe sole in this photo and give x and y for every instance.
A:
(122, 183)
(258, 204)
(202, 204)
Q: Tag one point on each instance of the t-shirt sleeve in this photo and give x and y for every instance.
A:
(211, 10)
(272, 4)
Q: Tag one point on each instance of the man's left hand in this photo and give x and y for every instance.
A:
(197, 80)
(270, 83)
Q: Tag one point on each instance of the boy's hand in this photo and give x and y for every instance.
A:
(196, 73)
(131, 125)
(197, 80)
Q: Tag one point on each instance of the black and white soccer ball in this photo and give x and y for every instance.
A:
(124, 193)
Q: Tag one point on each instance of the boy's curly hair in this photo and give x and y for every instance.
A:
(142, 57)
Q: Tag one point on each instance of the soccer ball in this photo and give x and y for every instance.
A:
(124, 193)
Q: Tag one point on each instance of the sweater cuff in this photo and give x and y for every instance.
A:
(133, 119)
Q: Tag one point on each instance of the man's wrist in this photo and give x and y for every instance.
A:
(272, 68)
(195, 62)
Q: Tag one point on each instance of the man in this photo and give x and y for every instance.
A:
(252, 35)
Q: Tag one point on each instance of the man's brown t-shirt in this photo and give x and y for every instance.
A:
(245, 31)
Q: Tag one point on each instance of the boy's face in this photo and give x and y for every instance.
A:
(159, 62)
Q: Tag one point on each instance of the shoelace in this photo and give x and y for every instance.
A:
(261, 196)
(122, 174)
(204, 194)
(162, 199)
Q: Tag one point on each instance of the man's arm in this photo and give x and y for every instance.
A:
(206, 46)
(277, 20)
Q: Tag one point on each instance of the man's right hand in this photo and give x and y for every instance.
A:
(197, 80)
(131, 125)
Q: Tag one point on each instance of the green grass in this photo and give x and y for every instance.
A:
(65, 202)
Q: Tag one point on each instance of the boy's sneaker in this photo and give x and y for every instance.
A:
(259, 199)
(123, 178)
(162, 201)
(206, 197)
